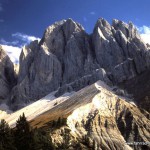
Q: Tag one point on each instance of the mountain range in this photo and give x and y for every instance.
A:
(98, 82)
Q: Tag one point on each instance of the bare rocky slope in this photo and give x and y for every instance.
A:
(96, 114)
(68, 60)
(94, 117)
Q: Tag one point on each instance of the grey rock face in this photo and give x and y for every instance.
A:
(67, 58)
(71, 45)
(63, 55)
(7, 75)
(98, 74)
(119, 49)
(39, 74)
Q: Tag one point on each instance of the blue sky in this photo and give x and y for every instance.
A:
(22, 21)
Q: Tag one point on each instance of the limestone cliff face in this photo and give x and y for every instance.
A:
(68, 59)
(7, 75)
(119, 49)
(63, 56)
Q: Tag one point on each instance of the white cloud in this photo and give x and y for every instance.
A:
(84, 19)
(2, 41)
(145, 33)
(13, 48)
(24, 37)
(13, 52)
(92, 13)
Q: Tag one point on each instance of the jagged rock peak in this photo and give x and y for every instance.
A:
(118, 23)
(7, 75)
(101, 22)
(68, 25)
(2, 53)
(69, 20)
(67, 54)
(128, 29)
(57, 35)
(102, 26)
(64, 55)
(118, 47)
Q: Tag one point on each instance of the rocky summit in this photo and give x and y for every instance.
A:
(108, 114)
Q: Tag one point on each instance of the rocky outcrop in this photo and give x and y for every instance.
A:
(39, 74)
(69, 42)
(119, 49)
(67, 58)
(63, 55)
(109, 120)
(97, 117)
(7, 76)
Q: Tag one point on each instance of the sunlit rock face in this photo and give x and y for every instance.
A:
(119, 49)
(97, 114)
(63, 56)
(111, 121)
(67, 59)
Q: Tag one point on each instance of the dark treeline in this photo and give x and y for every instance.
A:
(23, 137)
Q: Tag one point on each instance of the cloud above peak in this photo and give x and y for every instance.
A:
(145, 33)
(14, 43)
(84, 19)
(92, 13)
(25, 38)
(13, 48)
(13, 52)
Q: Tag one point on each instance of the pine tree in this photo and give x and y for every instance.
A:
(54, 123)
(42, 141)
(6, 137)
(23, 134)
(94, 147)
(46, 140)
(66, 139)
(106, 123)
(39, 141)
(31, 139)
(1, 147)
(99, 120)
(59, 122)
